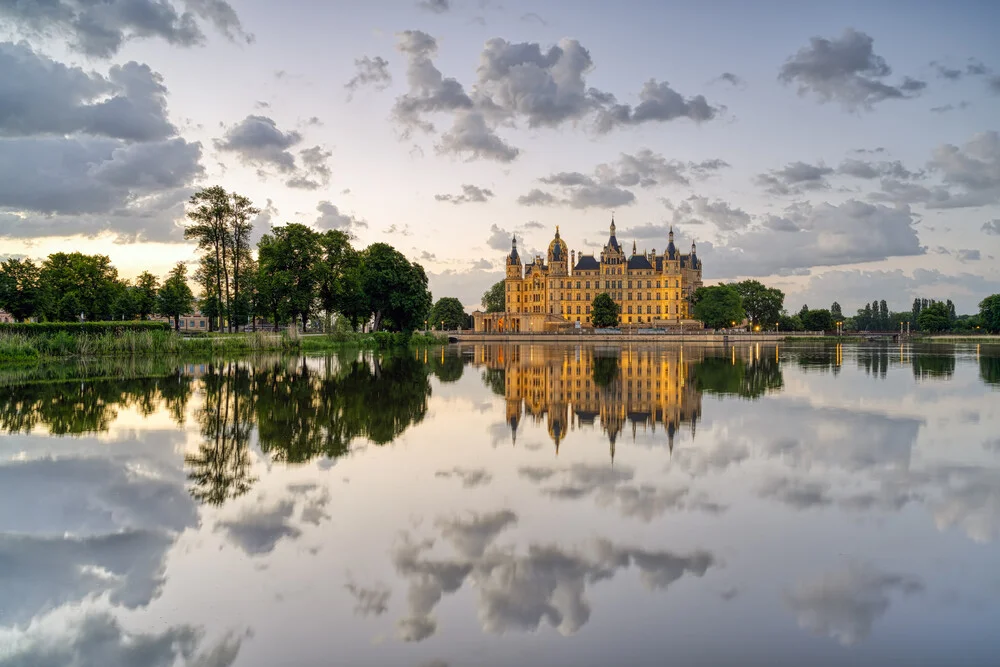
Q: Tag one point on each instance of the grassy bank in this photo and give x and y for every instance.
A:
(28, 347)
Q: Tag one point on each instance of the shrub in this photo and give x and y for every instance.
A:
(116, 328)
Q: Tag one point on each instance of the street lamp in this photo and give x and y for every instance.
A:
(776, 327)
(442, 325)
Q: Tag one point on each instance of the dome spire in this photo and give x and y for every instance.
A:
(633, 246)
(612, 223)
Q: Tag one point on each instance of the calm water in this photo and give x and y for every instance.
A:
(506, 505)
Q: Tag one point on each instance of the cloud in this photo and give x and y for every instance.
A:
(796, 492)
(315, 172)
(259, 529)
(657, 102)
(520, 591)
(467, 286)
(42, 96)
(794, 178)
(429, 91)
(969, 255)
(435, 6)
(370, 71)
(992, 227)
(482, 265)
(470, 194)
(100, 30)
(972, 170)
(613, 487)
(950, 107)
(258, 142)
(98, 638)
(330, 217)
(470, 136)
(606, 187)
(732, 79)
(696, 210)
(844, 604)
(845, 70)
(372, 601)
(532, 17)
(470, 478)
(869, 170)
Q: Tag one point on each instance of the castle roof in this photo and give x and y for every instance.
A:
(639, 262)
(587, 263)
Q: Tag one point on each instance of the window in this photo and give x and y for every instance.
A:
(648, 284)
(649, 310)
(630, 296)
(630, 284)
(577, 296)
(588, 310)
(578, 284)
(630, 310)
(578, 312)
(658, 296)
(588, 284)
(588, 296)
(630, 319)
(639, 296)
(202, 324)
(657, 284)
(658, 310)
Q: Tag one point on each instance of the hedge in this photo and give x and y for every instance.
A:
(116, 328)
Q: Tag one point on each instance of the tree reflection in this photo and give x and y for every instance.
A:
(938, 366)
(220, 470)
(989, 369)
(732, 376)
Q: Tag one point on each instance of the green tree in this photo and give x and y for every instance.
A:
(396, 289)
(836, 312)
(339, 277)
(604, 312)
(19, 292)
(175, 297)
(123, 303)
(934, 318)
(209, 228)
(883, 315)
(449, 310)
(494, 299)
(817, 320)
(73, 283)
(719, 306)
(288, 261)
(239, 224)
(989, 313)
(762, 304)
(605, 370)
(788, 322)
(146, 288)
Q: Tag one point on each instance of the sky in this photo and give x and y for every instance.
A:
(844, 151)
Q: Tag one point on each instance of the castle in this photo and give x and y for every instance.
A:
(653, 291)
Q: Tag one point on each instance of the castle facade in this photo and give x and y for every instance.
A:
(556, 292)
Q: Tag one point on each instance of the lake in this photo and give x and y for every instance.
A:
(506, 505)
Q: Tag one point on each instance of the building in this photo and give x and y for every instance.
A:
(556, 292)
(188, 323)
(5, 317)
(652, 389)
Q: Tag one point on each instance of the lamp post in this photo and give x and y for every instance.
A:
(776, 327)
(442, 325)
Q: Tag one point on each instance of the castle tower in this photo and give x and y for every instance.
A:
(558, 256)
(514, 261)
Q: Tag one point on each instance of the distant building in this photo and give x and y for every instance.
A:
(544, 295)
(188, 322)
(5, 317)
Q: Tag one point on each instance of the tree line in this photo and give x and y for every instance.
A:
(295, 274)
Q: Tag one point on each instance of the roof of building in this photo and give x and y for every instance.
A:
(586, 263)
(639, 262)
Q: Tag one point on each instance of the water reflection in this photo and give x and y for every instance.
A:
(842, 501)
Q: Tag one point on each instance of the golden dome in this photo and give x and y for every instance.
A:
(558, 250)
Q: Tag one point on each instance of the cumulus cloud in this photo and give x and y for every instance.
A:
(470, 194)
(794, 178)
(992, 227)
(614, 487)
(330, 217)
(258, 530)
(969, 255)
(697, 210)
(435, 6)
(429, 91)
(845, 70)
(972, 171)
(372, 72)
(607, 186)
(731, 79)
(98, 638)
(42, 96)
(844, 604)
(100, 30)
(519, 591)
(471, 137)
(657, 102)
(470, 477)
(372, 601)
(258, 141)
(315, 171)
(869, 170)
(469, 285)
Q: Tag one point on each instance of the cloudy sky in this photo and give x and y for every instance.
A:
(845, 152)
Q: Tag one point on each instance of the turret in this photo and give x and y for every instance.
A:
(513, 261)
(694, 256)
(671, 250)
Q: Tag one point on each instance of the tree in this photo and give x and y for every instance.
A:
(803, 310)
(604, 311)
(450, 311)
(74, 283)
(288, 261)
(719, 306)
(916, 310)
(789, 322)
(934, 318)
(146, 287)
(175, 297)
(836, 313)
(761, 304)
(395, 288)
(123, 304)
(19, 293)
(817, 320)
(883, 315)
(989, 313)
(239, 226)
(494, 299)
(210, 229)
(338, 277)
